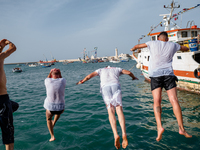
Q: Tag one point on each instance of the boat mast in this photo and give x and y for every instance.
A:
(167, 19)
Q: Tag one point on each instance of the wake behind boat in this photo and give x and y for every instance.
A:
(186, 65)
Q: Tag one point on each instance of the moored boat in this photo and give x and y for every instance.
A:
(186, 65)
(46, 65)
(32, 65)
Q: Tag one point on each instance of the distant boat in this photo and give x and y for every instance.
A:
(45, 66)
(51, 61)
(124, 59)
(115, 60)
(16, 70)
(32, 65)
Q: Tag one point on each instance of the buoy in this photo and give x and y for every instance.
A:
(138, 65)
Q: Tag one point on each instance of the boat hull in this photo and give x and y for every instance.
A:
(186, 78)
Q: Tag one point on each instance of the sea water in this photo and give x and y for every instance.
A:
(84, 124)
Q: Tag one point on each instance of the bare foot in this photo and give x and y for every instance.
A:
(160, 132)
(52, 139)
(117, 142)
(185, 134)
(125, 142)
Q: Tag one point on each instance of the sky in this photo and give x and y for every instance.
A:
(61, 29)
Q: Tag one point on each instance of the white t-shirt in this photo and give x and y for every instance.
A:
(161, 56)
(55, 90)
(109, 75)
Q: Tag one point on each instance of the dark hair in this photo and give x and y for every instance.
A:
(163, 33)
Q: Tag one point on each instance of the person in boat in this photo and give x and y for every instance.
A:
(55, 100)
(7, 107)
(162, 75)
(111, 93)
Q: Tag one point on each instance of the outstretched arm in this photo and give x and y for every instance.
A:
(184, 48)
(88, 77)
(9, 51)
(130, 74)
(138, 46)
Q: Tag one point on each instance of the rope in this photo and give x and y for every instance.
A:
(132, 67)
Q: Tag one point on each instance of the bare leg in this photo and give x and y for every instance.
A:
(9, 146)
(172, 94)
(121, 118)
(112, 119)
(49, 124)
(56, 117)
(157, 111)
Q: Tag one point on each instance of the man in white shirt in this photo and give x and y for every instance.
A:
(162, 75)
(111, 93)
(54, 102)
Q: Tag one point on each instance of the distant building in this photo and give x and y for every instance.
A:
(116, 53)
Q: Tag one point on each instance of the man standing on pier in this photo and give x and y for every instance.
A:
(162, 75)
(111, 93)
(6, 110)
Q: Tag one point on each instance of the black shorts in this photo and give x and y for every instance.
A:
(56, 112)
(6, 119)
(168, 82)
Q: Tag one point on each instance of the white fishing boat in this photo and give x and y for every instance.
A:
(186, 65)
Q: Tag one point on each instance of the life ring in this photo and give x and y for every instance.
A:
(197, 73)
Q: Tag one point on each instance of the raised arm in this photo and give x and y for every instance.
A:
(143, 45)
(9, 51)
(88, 77)
(130, 74)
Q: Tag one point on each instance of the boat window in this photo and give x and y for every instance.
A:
(148, 58)
(179, 57)
(145, 57)
(184, 34)
(194, 33)
(153, 38)
(196, 57)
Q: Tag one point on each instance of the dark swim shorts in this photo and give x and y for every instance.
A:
(6, 119)
(56, 112)
(168, 82)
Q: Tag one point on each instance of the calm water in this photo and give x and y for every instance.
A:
(85, 124)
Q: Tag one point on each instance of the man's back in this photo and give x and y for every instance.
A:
(109, 75)
(161, 55)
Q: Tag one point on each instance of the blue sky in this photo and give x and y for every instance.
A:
(63, 28)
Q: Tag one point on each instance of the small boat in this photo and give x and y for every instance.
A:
(124, 59)
(32, 65)
(16, 70)
(45, 66)
(115, 61)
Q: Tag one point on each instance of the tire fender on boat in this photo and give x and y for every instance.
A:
(197, 73)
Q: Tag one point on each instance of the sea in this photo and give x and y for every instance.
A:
(84, 125)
